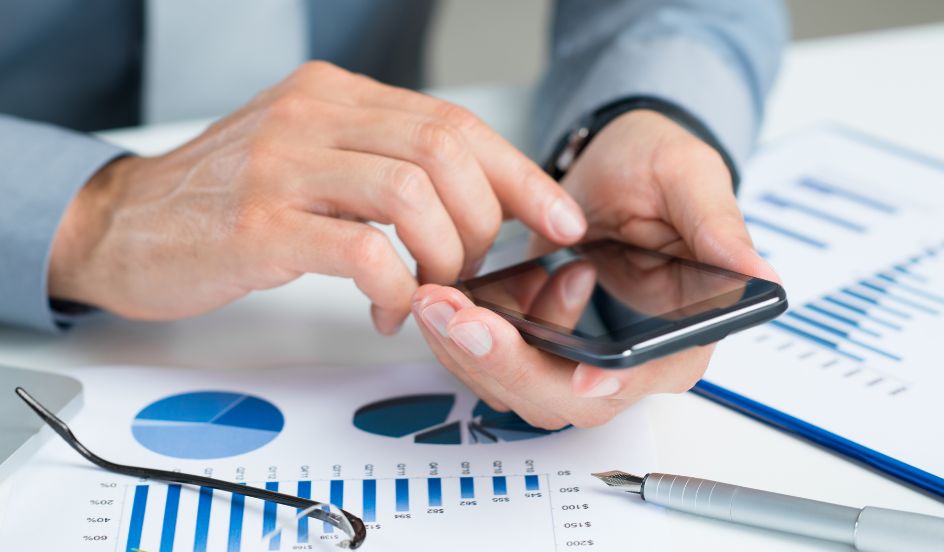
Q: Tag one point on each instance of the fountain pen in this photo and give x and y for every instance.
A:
(867, 529)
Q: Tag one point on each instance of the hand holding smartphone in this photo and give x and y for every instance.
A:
(644, 304)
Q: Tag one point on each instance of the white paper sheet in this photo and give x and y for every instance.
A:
(529, 494)
(856, 230)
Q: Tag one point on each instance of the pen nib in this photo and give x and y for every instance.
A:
(621, 480)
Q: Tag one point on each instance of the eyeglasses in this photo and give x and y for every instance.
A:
(346, 522)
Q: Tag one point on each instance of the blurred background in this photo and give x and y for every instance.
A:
(516, 30)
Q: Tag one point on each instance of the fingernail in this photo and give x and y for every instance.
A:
(578, 285)
(438, 315)
(609, 386)
(566, 219)
(474, 337)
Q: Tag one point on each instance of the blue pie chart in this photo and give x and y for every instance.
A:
(207, 424)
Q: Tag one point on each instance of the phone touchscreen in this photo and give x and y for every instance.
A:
(608, 290)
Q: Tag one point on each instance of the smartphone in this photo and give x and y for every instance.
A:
(614, 305)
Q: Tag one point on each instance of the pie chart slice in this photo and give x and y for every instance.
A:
(207, 424)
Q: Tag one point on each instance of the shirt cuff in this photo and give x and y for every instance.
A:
(42, 167)
(686, 72)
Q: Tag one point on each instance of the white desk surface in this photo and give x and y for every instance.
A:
(888, 84)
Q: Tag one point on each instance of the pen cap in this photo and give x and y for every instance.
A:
(881, 530)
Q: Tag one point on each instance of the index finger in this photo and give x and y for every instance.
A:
(523, 189)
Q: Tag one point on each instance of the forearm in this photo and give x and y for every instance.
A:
(42, 168)
(714, 58)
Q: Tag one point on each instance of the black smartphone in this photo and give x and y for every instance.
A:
(615, 305)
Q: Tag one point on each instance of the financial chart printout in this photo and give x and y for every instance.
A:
(856, 230)
(424, 463)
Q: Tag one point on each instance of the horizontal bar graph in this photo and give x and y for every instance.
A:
(862, 322)
(777, 228)
(831, 189)
(243, 523)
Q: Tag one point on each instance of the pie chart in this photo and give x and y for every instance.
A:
(207, 424)
(430, 419)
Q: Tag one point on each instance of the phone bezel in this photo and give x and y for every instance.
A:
(759, 302)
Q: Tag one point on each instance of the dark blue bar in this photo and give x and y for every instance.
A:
(843, 319)
(403, 495)
(844, 193)
(750, 219)
(861, 311)
(269, 512)
(169, 528)
(137, 517)
(815, 339)
(337, 498)
(202, 532)
(818, 324)
(236, 504)
(304, 491)
(874, 301)
(813, 212)
(434, 488)
(532, 483)
(919, 292)
(467, 487)
(902, 300)
(499, 485)
(370, 500)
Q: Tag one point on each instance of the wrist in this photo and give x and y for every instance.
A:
(77, 243)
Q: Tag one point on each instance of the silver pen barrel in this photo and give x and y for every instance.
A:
(716, 500)
(868, 529)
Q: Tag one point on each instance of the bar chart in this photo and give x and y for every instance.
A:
(169, 517)
(860, 249)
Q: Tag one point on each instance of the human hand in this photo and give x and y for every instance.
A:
(643, 180)
(286, 185)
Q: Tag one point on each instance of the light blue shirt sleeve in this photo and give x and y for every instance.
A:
(42, 167)
(717, 59)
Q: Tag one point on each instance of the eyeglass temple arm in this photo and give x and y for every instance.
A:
(349, 523)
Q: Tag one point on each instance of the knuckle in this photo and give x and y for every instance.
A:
(484, 228)
(438, 142)
(319, 69)
(410, 187)
(289, 106)
(596, 415)
(457, 116)
(369, 250)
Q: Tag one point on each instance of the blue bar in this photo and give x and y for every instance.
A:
(337, 498)
(911, 289)
(815, 339)
(813, 212)
(902, 300)
(403, 495)
(467, 487)
(499, 485)
(304, 491)
(137, 517)
(843, 319)
(862, 311)
(844, 193)
(752, 220)
(874, 301)
(532, 483)
(434, 487)
(843, 334)
(202, 532)
(917, 277)
(236, 522)
(370, 500)
(169, 528)
(269, 512)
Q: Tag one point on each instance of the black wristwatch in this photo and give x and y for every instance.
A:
(571, 145)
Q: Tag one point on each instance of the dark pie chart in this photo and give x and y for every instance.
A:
(207, 424)
(426, 418)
